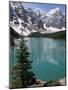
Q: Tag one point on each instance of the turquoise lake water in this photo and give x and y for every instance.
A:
(48, 56)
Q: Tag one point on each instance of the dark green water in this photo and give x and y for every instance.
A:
(48, 56)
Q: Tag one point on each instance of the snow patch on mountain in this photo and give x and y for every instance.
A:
(53, 11)
(35, 19)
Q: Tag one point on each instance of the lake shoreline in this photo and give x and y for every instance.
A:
(41, 83)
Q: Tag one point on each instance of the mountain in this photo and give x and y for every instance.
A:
(55, 18)
(35, 20)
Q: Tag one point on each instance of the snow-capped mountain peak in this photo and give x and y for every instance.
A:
(35, 20)
(39, 10)
(56, 11)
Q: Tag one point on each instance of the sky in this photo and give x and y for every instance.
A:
(45, 6)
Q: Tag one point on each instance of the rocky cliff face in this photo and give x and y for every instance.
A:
(29, 20)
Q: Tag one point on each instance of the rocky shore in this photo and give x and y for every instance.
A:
(62, 81)
(40, 83)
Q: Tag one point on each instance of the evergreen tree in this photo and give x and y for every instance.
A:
(22, 76)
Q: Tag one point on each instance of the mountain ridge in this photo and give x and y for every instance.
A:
(28, 21)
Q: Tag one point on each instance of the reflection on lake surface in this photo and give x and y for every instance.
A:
(48, 56)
